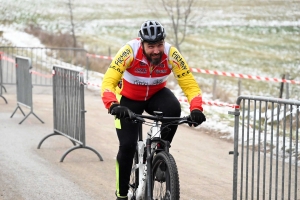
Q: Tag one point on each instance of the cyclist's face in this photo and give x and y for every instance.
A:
(154, 51)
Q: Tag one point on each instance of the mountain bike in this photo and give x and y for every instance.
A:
(154, 173)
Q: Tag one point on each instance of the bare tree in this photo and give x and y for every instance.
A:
(72, 24)
(179, 11)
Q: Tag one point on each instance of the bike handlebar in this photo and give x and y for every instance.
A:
(179, 120)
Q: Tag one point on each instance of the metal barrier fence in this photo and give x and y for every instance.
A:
(266, 149)
(68, 108)
(42, 58)
(1, 78)
(24, 86)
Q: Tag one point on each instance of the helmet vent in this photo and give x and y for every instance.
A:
(152, 31)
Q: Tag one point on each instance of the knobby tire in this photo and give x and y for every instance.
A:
(165, 188)
(134, 176)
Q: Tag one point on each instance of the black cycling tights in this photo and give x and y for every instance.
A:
(164, 101)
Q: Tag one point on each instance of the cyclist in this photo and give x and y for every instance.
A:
(136, 81)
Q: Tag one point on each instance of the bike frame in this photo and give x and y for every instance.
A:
(153, 137)
(145, 169)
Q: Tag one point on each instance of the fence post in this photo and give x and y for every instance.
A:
(268, 140)
(235, 152)
(42, 60)
(68, 108)
(87, 67)
(214, 86)
(239, 86)
(281, 87)
(1, 78)
(287, 86)
(24, 86)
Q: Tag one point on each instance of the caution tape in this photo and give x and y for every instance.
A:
(40, 74)
(93, 84)
(3, 57)
(214, 72)
(196, 70)
(211, 103)
(180, 99)
(97, 56)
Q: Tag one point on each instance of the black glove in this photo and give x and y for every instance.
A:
(119, 111)
(197, 116)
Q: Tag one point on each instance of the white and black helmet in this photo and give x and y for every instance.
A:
(152, 31)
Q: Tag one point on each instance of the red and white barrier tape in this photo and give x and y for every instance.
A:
(214, 72)
(92, 84)
(211, 103)
(97, 56)
(2, 57)
(40, 74)
(181, 99)
(204, 71)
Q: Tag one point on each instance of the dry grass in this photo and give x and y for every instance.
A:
(223, 95)
(98, 65)
(51, 39)
(65, 40)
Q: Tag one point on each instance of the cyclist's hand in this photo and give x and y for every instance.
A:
(197, 116)
(119, 111)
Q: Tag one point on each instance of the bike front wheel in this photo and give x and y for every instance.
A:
(134, 176)
(165, 177)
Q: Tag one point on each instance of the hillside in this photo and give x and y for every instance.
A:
(259, 38)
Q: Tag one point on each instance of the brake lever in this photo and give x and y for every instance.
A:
(182, 121)
(134, 117)
(140, 119)
(190, 122)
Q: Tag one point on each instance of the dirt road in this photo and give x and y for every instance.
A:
(205, 168)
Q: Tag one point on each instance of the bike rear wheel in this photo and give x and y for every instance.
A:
(165, 177)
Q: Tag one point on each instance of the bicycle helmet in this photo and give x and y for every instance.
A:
(152, 31)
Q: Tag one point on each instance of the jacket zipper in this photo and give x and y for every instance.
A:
(147, 92)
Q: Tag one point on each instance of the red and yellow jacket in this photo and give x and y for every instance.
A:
(131, 75)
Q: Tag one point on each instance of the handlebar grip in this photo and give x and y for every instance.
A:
(132, 116)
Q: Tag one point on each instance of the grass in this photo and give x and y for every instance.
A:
(102, 27)
(233, 45)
